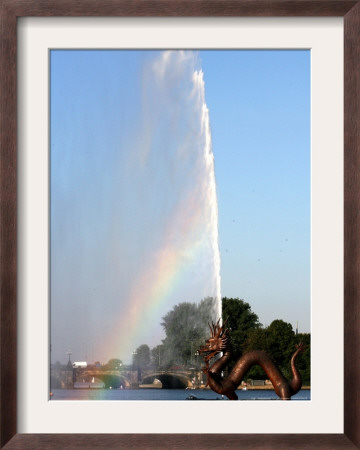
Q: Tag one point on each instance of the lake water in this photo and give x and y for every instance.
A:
(166, 394)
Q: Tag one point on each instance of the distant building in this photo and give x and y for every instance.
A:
(80, 365)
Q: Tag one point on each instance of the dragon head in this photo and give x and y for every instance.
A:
(217, 343)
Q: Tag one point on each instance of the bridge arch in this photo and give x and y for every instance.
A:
(168, 380)
(111, 379)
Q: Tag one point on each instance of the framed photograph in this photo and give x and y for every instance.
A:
(145, 188)
(26, 165)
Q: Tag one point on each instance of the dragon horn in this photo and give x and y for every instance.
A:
(218, 330)
(212, 329)
(218, 324)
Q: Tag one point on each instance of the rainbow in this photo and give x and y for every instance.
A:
(153, 288)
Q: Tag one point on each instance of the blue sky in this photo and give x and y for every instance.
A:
(109, 189)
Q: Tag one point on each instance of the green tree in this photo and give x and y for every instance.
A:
(303, 361)
(279, 341)
(257, 340)
(114, 364)
(142, 356)
(157, 356)
(186, 328)
(240, 320)
(281, 344)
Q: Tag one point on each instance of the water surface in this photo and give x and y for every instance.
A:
(166, 394)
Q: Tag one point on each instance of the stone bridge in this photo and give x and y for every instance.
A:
(65, 378)
(170, 379)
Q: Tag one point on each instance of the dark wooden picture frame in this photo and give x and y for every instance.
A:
(10, 11)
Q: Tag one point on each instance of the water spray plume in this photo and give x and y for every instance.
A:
(172, 163)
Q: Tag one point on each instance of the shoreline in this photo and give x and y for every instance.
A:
(267, 387)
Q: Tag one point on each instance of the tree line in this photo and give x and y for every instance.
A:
(186, 329)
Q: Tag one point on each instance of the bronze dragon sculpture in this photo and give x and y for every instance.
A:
(219, 342)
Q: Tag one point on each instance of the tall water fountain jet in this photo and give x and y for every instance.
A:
(210, 191)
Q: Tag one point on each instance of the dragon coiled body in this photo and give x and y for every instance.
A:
(219, 343)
